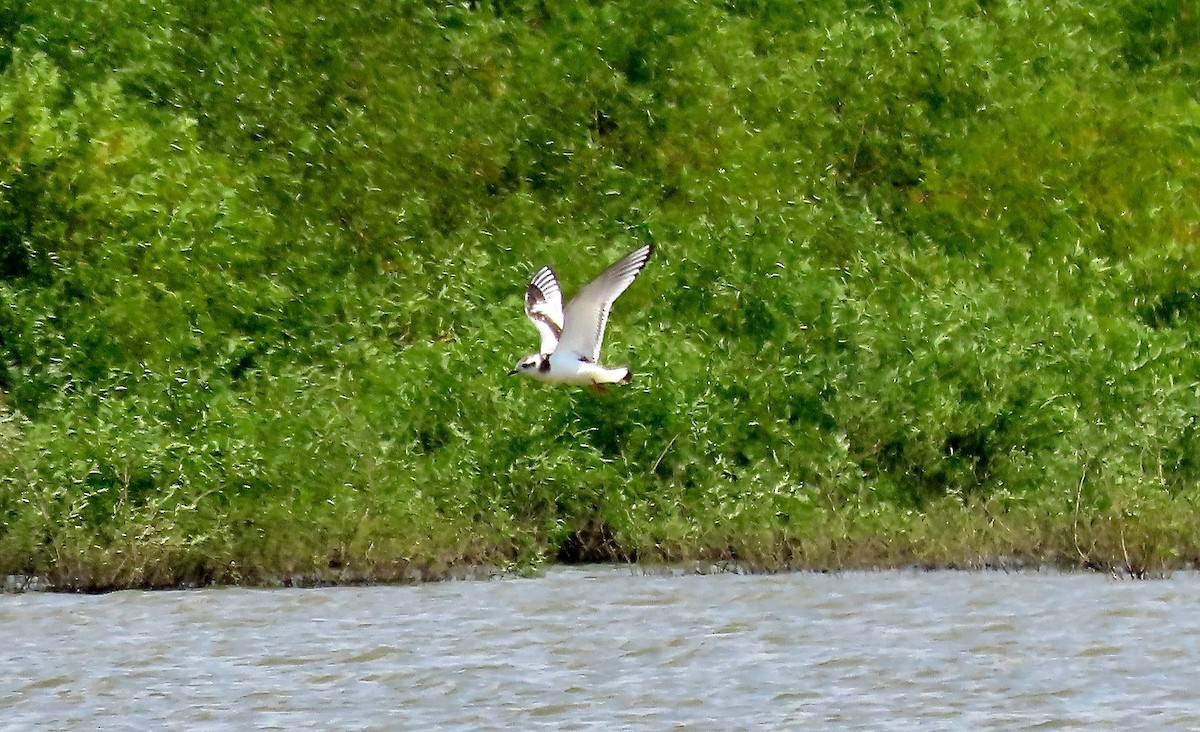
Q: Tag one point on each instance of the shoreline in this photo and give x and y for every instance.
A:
(22, 584)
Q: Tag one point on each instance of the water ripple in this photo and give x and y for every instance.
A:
(601, 647)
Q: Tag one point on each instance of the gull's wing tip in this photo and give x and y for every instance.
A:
(643, 253)
(632, 264)
(544, 277)
(629, 265)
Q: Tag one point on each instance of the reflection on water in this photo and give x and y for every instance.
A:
(587, 648)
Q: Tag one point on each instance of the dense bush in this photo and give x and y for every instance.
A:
(925, 289)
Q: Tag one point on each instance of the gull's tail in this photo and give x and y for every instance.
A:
(619, 375)
(615, 375)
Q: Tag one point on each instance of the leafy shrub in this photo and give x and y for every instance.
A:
(921, 273)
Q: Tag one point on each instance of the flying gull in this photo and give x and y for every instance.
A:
(571, 336)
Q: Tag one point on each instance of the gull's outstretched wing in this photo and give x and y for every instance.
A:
(543, 305)
(587, 313)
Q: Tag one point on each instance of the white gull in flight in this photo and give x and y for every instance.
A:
(571, 337)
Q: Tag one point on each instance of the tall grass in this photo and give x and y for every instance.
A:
(925, 288)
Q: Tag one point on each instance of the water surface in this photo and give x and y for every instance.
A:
(592, 647)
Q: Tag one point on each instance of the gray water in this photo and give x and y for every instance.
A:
(601, 648)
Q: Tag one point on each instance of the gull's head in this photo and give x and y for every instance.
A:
(528, 365)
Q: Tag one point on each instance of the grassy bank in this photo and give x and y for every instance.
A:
(925, 287)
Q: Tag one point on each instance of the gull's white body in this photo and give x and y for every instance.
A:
(567, 368)
(571, 336)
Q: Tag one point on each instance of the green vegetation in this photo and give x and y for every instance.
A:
(927, 286)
